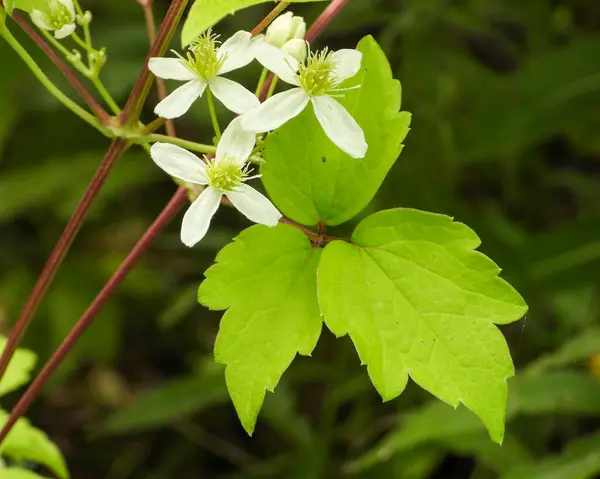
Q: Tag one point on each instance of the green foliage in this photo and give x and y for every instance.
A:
(16, 473)
(417, 300)
(18, 372)
(206, 13)
(26, 5)
(309, 178)
(266, 279)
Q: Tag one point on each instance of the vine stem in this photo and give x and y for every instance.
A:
(167, 214)
(98, 111)
(59, 252)
(46, 82)
(280, 7)
(138, 95)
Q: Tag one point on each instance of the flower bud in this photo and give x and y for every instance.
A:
(60, 19)
(285, 28)
(297, 48)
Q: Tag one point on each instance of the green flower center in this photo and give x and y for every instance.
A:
(226, 175)
(203, 58)
(315, 76)
(59, 15)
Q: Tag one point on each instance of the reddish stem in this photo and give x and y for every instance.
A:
(100, 112)
(280, 7)
(172, 208)
(60, 250)
(141, 88)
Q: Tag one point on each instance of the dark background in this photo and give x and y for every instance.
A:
(505, 137)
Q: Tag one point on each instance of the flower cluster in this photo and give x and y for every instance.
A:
(317, 78)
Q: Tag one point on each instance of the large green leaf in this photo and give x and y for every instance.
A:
(205, 13)
(418, 301)
(18, 372)
(25, 442)
(309, 178)
(266, 279)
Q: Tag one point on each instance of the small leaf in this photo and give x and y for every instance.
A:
(18, 372)
(418, 301)
(266, 279)
(309, 178)
(25, 442)
(206, 13)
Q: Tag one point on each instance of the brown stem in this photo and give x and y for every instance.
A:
(161, 88)
(280, 7)
(141, 88)
(96, 108)
(172, 208)
(60, 250)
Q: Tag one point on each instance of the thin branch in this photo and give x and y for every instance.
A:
(172, 208)
(60, 250)
(96, 108)
(161, 88)
(280, 7)
(141, 88)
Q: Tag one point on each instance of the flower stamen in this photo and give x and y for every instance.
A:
(227, 174)
(315, 76)
(203, 57)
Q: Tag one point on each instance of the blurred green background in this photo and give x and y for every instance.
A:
(505, 137)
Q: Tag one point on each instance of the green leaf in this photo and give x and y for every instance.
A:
(266, 279)
(17, 473)
(206, 13)
(18, 372)
(418, 301)
(28, 5)
(309, 178)
(25, 442)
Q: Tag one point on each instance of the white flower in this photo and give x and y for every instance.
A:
(318, 81)
(224, 175)
(203, 67)
(60, 19)
(285, 28)
(297, 48)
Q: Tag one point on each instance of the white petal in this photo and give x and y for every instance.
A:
(275, 111)
(282, 64)
(233, 95)
(347, 63)
(181, 100)
(179, 163)
(254, 205)
(41, 20)
(236, 143)
(197, 218)
(237, 51)
(340, 126)
(170, 69)
(70, 7)
(64, 31)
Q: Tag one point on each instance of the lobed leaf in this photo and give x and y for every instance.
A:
(309, 178)
(266, 280)
(418, 301)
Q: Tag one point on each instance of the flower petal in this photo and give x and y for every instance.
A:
(275, 111)
(236, 143)
(254, 205)
(170, 69)
(347, 63)
(197, 218)
(64, 31)
(41, 20)
(179, 163)
(282, 64)
(181, 100)
(233, 95)
(70, 6)
(237, 51)
(340, 126)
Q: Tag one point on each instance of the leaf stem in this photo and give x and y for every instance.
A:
(100, 113)
(47, 83)
(105, 94)
(213, 113)
(168, 213)
(188, 145)
(60, 250)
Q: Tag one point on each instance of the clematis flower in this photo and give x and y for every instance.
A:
(287, 33)
(317, 81)
(60, 19)
(226, 174)
(202, 68)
